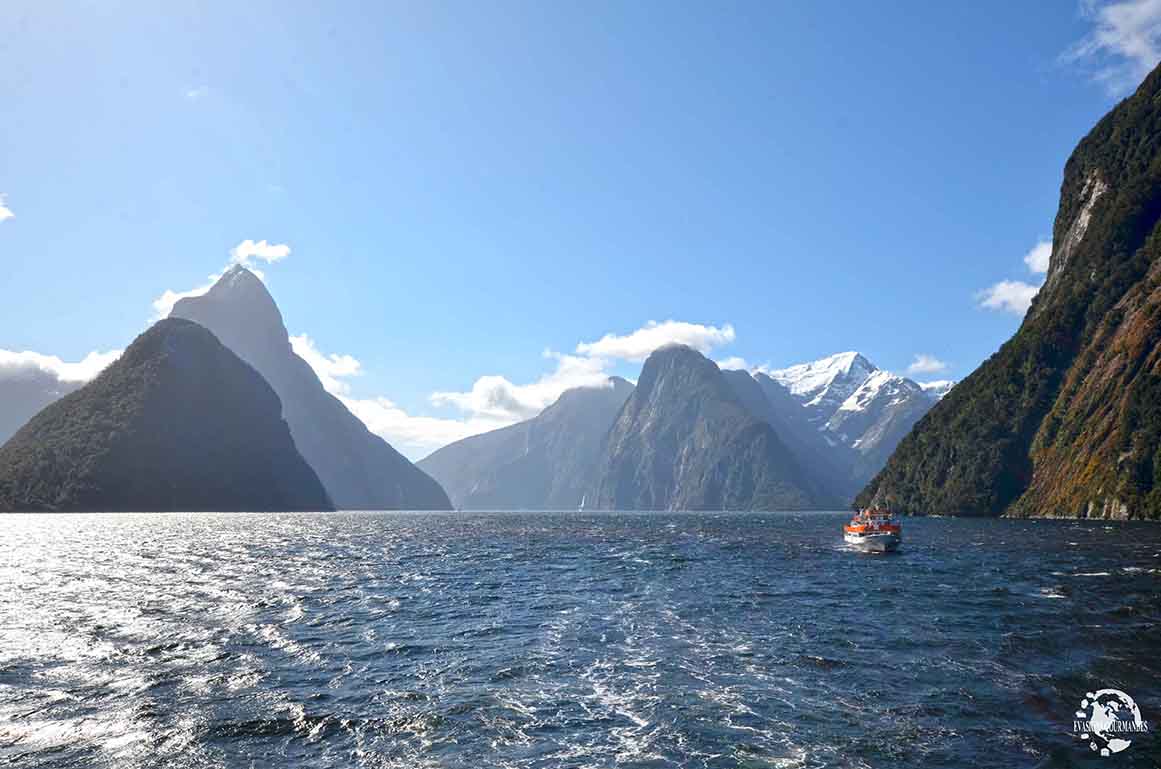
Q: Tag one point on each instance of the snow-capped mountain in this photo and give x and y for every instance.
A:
(823, 385)
(859, 411)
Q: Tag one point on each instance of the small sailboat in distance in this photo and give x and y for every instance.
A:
(873, 530)
(581, 507)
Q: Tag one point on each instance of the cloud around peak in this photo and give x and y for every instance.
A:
(5, 211)
(242, 254)
(248, 250)
(636, 345)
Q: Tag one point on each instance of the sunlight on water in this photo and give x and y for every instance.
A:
(404, 640)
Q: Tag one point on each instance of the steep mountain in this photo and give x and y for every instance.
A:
(685, 441)
(846, 414)
(24, 391)
(875, 417)
(177, 423)
(827, 465)
(359, 469)
(823, 385)
(544, 463)
(1065, 419)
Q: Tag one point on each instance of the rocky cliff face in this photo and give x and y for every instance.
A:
(359, 469)
(178, 423)
(544, 463)
(684, 440)
(1065, 419)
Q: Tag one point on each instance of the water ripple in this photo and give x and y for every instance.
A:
(405, 640)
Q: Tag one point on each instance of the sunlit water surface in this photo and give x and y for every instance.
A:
(411, 640)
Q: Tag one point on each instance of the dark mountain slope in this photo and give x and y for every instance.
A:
(544, 463)
(358, 468)
(827, 466)
(1064, 419)
(177, 423)
(685, 441)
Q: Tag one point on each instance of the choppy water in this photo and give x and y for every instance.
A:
(407, 640)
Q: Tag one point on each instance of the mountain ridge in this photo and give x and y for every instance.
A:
(685, 441)
(178, 423)
(359, 469)
(544, 462)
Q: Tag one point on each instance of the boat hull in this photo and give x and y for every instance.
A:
(873, 543)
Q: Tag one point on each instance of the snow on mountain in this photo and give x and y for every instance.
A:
(854, 404)
(882, 389)
(847, 410)
(827, 382)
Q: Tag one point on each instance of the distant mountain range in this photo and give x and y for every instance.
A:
(811, 436)
(1065, 419)
(544, 463)
(695, 437)
(860, 411)
(179, 422)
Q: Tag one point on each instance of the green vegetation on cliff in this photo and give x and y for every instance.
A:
(1065, 419)
(177, 423)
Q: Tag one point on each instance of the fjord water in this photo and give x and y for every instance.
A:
(558, 640)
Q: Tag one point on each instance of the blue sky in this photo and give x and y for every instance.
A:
(454, 196)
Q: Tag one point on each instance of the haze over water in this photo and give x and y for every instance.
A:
(564, 640)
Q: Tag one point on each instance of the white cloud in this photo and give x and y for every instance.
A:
(733, 363)
(5, 211)
(64, 371)
(938, 387)
(1124, 45)
(496, 398)
(248, 250)
(331, 369)
(637, 345)
(414, 436)
(1014, 296)
(197, 93)
(493, 401)
(1039, 256)
(926, 364)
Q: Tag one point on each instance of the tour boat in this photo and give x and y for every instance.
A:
(875, 531)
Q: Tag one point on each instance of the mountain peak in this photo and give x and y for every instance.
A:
(359, 469)
(240, 280)
(178, 422)
(834, 377)
(241, 299)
